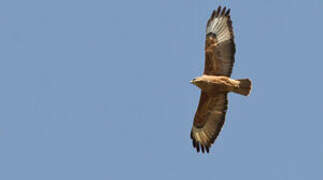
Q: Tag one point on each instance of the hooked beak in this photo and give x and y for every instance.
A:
(191, 82)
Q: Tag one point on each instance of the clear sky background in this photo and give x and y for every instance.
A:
(100, 90)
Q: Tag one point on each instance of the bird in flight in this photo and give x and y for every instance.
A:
(215, 83)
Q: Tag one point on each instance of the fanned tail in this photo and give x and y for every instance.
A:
(244, 87)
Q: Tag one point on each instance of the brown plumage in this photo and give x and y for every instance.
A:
(215, 83)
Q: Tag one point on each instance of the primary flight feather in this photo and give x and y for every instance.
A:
(215, 83)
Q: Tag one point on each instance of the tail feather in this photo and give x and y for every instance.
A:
(244, 87)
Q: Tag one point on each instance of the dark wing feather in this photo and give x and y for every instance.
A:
(219, 44)
(208, 120)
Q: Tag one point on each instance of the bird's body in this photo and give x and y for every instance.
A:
(215, 83)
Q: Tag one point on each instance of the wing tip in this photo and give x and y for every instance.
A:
(228, 12)
(201, 148)
(221, 12)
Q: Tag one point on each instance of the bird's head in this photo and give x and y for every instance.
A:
(197, 81)
(193, 81)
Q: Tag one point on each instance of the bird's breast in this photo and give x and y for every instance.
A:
(216, 85)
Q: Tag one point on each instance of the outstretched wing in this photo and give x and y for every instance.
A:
(219, 60)
(219, 44)
(208, 120)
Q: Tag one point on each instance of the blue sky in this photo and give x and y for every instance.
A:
(100, 90)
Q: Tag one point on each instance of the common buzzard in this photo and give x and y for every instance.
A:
(215, 83)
